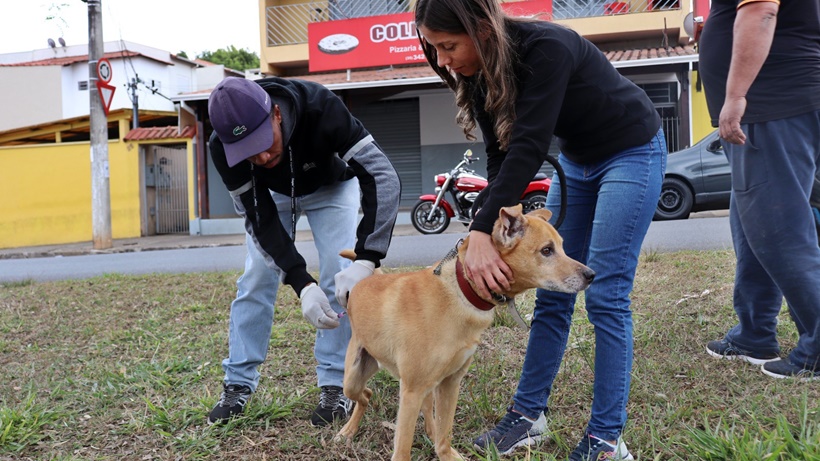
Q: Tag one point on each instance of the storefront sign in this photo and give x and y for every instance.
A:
(383, 40)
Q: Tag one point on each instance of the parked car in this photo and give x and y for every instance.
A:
(698, 178)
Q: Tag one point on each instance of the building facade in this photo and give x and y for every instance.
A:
(367, 52)
(45, 168)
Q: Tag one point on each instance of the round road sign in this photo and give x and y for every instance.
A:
(104, 70)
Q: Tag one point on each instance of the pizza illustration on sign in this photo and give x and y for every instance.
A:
(338, 44)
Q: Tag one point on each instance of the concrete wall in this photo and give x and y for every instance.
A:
(48, 190)
(442, 141)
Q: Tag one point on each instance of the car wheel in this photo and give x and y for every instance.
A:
(676, 200)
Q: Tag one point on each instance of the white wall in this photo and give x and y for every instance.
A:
(76, 102)
(209, 76)
(29, 96)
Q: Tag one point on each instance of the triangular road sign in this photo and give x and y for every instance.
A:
(106, 94)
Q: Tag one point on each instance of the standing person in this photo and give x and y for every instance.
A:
(521, 82)
(283, 148)
(760, 64)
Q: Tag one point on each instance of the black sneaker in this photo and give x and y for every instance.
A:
(231, 403)
(723, 349)
(591, 448)
(333, 406)
(513, 431)
(785, 369)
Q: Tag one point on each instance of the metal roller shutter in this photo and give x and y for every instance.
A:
(395, 126)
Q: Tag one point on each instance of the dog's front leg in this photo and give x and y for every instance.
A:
(410, 401)
(445, 409)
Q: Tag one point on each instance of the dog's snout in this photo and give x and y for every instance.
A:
(589, 275)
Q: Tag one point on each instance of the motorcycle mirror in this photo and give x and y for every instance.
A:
(468, 153)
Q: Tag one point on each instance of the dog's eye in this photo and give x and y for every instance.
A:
(547, 250)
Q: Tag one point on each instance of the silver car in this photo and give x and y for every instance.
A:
(698, 178)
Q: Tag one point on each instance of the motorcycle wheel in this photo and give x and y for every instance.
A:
(419, 215)
(534, 201)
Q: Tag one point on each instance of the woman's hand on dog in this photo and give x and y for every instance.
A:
(485, 267)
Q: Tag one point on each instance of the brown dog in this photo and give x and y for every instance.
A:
(424, 328)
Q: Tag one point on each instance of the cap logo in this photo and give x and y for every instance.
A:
(237, 131)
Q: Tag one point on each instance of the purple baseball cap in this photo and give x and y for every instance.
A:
(240, 114)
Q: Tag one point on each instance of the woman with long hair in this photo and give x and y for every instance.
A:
(522, 82)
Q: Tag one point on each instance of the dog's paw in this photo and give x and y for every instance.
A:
(451, 455)
(344, 436)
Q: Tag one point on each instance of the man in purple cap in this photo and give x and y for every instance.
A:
(283, 148)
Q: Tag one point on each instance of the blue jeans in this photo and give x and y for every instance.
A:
(774, 235)
(332, 212)
(609, 208)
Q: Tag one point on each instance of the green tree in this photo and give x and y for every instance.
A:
(232, 57)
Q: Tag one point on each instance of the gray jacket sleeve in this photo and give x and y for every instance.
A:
(381, 190)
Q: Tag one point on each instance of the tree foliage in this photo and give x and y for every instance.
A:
(232, 57)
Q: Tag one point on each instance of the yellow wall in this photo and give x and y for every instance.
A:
(48, 193)
(701, 123)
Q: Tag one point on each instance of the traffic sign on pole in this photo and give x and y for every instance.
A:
(104, 70)
(106, 94)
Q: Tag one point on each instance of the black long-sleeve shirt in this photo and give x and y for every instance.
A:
(566, 88)
(327, 145)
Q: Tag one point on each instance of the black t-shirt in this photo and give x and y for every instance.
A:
(789, 82)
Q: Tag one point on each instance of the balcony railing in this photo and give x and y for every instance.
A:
(287, 24)
(571, 9)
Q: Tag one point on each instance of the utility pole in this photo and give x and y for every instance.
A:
(135, 107)
(100, 187)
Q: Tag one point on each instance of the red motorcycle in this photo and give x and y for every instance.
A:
(432, 213)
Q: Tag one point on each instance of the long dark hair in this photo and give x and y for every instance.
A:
(486, 25)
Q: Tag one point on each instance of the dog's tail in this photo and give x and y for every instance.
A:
(348, 254)
(351, 255)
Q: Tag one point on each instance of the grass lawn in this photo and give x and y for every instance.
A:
(127, 368)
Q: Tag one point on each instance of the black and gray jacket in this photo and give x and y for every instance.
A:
(323, 144)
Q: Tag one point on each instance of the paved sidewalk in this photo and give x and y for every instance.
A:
(167, 242)
(176, 241)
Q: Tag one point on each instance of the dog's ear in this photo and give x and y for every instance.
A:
(542, 213)
(510, 227)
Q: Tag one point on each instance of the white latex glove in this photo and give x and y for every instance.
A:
(354, 273)
(316, 308)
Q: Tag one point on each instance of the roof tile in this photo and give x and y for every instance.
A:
(159, 132)
(68, 60)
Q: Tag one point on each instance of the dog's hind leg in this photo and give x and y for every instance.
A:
(359, 367)
(429, 416)
(445, 408)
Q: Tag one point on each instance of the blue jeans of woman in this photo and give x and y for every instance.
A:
(774, 235)
(609, 208)
(332, 212)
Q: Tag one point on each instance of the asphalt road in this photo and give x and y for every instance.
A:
(415, 250)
